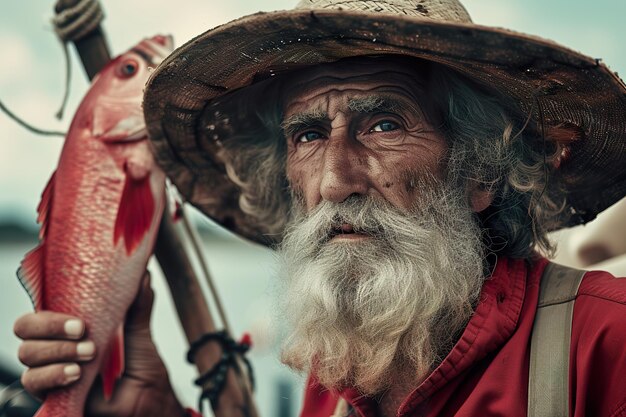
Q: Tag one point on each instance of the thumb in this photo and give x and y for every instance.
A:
(138, 316)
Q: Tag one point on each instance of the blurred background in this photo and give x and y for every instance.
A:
(31, 85)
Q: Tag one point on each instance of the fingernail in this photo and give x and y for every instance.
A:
(74, 328)
(72, 373)
(85, 350)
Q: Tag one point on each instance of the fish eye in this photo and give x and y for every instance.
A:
(128, 68)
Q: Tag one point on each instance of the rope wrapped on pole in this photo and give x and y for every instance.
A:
(85, 32)
(79, 21)
(75, 22)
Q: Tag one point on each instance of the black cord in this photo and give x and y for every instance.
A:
(215, 378)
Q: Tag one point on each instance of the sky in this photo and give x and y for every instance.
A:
(32, 73)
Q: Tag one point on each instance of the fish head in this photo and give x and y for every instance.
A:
(115, 97)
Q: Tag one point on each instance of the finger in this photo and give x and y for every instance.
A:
(38, 381)
(45, 352)
(139, 312)
(48, 325)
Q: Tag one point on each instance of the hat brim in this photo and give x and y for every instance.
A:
(567, 87)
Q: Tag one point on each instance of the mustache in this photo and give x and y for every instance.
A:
(358, 214)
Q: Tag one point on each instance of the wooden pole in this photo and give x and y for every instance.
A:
(194, 314)
(92, 48)
(196, 320)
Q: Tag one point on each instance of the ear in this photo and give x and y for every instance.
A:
(479, 198)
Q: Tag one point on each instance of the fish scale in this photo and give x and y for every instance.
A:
(99, 220)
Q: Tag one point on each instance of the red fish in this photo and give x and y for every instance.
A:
(99, 217)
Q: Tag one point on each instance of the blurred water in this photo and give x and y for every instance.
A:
(243, 274)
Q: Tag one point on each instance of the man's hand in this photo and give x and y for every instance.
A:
(55, 345)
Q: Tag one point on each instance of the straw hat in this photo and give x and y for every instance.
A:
(570, 88)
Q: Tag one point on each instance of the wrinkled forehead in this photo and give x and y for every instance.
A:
(358, 85)
(362, 66)
(357, 77)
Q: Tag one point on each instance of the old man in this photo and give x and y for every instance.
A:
(407, 165)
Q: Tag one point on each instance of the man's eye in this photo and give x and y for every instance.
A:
(309, 136)
(385, 126)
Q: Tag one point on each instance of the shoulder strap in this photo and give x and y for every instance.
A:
(341, 410)
(548, 376)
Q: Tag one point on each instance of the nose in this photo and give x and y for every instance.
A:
(345, 170)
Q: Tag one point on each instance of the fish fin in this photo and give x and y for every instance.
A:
(45, 205)
(31, 270)
(31, 275)
(134, 215)
(113, 366)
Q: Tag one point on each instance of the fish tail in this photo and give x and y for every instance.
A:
(62, 403)
(46, 411)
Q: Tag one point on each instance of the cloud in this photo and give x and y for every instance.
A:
(128, 22)
(496, 12)
(20, 66)
(27, 160)
(594, 31)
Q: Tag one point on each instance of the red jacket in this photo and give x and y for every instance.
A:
(486, 373)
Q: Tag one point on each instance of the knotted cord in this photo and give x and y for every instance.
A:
(70, 25)
(216, 376)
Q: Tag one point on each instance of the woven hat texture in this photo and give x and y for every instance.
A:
(569, 88)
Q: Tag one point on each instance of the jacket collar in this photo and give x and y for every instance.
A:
(492, 324)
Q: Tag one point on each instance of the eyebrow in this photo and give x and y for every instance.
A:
(373, 104)
(301, 121)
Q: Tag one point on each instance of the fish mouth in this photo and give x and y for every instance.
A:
(129, 129)
(139, 133)
(133, 135)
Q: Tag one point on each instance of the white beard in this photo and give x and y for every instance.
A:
(359, 311)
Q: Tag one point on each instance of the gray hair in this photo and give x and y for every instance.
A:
(495, 145)
(492, 144)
